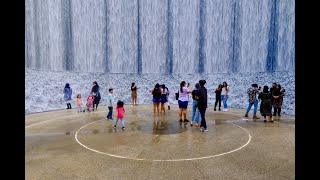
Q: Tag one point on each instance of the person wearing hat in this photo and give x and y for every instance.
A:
(252, 93)
(109, 104)
(266, 104)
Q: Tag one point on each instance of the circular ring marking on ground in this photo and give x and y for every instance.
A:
(59, 118)
(159, 160)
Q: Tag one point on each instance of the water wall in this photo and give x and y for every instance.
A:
(218, 39)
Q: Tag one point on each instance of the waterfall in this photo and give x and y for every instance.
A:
(160, 36)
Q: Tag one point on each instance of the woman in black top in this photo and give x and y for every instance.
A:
(277, 100)
(156, 98)
(96, 92)
(266, 104)
(218, 96)
(202, 104)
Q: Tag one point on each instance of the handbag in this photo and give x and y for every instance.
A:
(177, 96)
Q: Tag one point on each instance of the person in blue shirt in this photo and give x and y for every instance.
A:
(110, 104)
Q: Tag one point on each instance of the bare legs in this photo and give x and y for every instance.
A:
(155, 106)
(162, 108)
(134, 101)
(182, 111)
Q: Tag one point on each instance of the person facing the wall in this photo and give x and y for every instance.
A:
(156, 98)
(67, 95)
(183, 101)
(266, 104)
(134, 94)
(96, 92)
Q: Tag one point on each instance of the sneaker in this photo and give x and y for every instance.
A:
(201, 128)
(265, 121)
(219, 109)
(123, 128)
(114, 127)
(107, 118)
(110, 119)
(246, 115)
(186, 120)
(205, 130)
(180, 120)
(214, 109)
(256, 117)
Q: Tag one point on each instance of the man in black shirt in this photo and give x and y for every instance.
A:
(203, 104)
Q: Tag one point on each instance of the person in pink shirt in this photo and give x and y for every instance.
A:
(79, 103)
(120, 114)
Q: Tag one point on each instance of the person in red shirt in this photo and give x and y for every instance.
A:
(120, 114)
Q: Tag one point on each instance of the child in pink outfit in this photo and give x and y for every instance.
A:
(120, 114)
(79, 102)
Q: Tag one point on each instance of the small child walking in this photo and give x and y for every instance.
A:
(79, 103)
(120, 113)
(110, 104)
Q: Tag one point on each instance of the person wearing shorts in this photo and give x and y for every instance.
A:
(183, 101)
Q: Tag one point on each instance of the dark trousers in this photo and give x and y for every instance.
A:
(276, 110)
(96, 106)
(110, 112)
(203, 118)
(218, 99)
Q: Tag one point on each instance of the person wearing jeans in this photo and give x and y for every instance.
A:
(224, 95)
(253, 91)
(202, 105)
(195, 109)
(109, 104)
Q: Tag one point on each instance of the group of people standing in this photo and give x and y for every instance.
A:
(92, 100)
(269, 98)
(160, 95)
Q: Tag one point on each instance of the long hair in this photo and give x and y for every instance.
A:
(181, 85)
(224, 83)
(132, 84)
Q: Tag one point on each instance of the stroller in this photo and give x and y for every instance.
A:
(90, 101)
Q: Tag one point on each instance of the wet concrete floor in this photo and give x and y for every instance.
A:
(66, 144)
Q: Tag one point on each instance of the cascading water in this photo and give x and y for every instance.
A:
(172, 38)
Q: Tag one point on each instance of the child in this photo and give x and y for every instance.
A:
(79, 103)
(120, 114)
(90, 101)
(109, 104)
